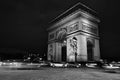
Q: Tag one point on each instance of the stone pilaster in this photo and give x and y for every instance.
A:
(96, 50)
(82, 50)
(58, 52)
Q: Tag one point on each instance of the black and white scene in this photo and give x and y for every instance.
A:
(59, 40)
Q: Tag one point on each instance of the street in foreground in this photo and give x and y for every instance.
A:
(58, 74)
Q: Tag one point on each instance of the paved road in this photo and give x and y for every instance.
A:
(58, 74)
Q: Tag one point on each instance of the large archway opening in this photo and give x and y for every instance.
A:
(90, 52)
(64, 53)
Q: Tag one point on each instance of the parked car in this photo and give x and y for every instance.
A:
(58, 64)
(91, 65)
(11, 62)
(73, 65)
(110, 66)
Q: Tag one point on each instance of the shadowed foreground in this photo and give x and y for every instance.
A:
(58, 74)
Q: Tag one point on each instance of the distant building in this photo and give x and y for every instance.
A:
(73, 36)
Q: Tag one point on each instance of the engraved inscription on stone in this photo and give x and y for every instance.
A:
(89, 28)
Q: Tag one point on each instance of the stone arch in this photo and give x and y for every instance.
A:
(90, 51)
(90, 42)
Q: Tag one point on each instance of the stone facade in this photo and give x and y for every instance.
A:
(74, 38)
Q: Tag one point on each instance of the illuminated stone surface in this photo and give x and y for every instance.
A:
(74, 37)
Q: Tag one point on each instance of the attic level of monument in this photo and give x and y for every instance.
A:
(75, 12)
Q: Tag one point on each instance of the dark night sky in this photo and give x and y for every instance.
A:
(24, 22)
